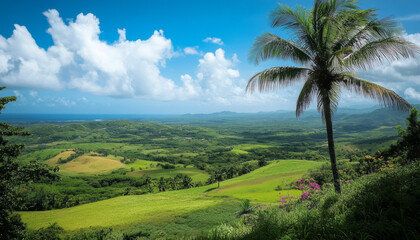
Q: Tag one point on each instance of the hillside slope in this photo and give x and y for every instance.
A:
(125, 211)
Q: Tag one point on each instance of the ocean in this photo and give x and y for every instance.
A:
(74, 118)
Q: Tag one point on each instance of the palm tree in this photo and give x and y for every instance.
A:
(218, 176)
(330, 41)
(162, 183)
(187, 182)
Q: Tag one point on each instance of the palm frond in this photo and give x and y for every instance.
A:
(360, 32)
(384, 96)
(309, 90)
(269, 46)
(275, 77)
(297, 20)
(329, 17)
(329, 9)
(383, 50)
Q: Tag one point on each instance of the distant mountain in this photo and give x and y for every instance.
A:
(364, 116)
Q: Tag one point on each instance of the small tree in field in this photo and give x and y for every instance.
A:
(218, 176)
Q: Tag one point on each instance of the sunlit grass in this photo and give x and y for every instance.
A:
(196, 174)
(245, 147)
(238, 151)
(143, 164)
(123, 212)
(86, 164)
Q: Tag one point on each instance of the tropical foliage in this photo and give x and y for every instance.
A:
(408, 145)
(377, 206)
(330, 41)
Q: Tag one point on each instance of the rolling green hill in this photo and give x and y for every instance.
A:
(162, 208)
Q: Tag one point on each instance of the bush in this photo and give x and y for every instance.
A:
(167, 166)
(97, 233)
(51, 232)
(246, 207)
(347, 171)
(378, 206)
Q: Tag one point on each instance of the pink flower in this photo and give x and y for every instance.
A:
(282, 205)
(283, 197)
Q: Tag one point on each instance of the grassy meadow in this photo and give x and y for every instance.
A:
(197, 175)
(123, 212)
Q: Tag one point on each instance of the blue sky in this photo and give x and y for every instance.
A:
(159, 57)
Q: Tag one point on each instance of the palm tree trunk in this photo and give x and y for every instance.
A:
(328, 122)
(218, 184)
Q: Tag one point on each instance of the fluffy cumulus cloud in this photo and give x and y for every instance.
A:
(216, 78)
(214, 40)
(402, 76)
(412, 94)
(80, 60)
(23, 63)
(191, 50)
(218, 81)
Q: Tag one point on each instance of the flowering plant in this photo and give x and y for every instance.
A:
(285, 200)
(308, 186)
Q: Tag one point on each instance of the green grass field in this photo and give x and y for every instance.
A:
(238, 151)
(259, 185)
(90, 165)
(143, 164)
(245, 147)
(197, 175)
(163, 208)
(85, 164)
(41, 155)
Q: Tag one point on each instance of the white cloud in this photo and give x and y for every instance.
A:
(411, 93)
(121, 33)
(23, 63)
(19, 95)
(217, 77)
(218, 82)
(80, 60)
(191, 50)
(213, 40)
(400, 74)
(33, 94)
(414, 17)
(65, 102)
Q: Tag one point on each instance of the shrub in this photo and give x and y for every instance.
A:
(246, 207)
(378, 206)
(51, 232)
